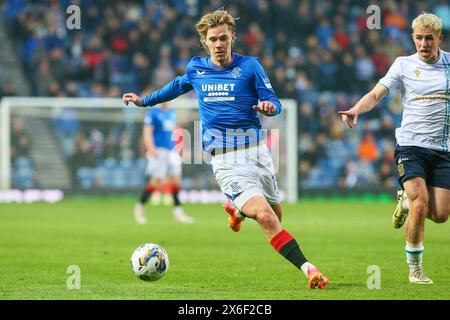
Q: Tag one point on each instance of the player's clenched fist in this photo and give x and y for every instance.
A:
(132, 97)
(265, 107)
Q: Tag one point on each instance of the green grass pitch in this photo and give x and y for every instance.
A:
(38, 242)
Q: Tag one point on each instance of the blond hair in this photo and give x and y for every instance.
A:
(427, 20)
(212, 20)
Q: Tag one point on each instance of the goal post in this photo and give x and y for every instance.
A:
(111, 134)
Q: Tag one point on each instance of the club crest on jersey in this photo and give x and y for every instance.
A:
(417, 72)
(236, 72)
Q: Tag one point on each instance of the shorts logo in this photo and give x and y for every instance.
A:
(401, 169)
(236, 187)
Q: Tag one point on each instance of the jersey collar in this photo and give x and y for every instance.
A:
(219, 68)
(433, 62)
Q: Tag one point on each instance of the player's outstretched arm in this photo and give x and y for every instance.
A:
(367, 103)
(132, 97)
(265, 107)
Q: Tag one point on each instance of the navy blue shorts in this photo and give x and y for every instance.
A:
(429, 164)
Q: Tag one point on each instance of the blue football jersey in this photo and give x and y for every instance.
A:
(163, 122)
(226, 96)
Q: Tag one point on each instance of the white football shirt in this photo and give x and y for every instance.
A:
(425, 100)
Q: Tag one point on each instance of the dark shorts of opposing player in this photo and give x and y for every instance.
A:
(431, 165)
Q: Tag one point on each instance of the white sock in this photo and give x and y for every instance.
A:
(306, 266)
(240, 215)
(414, 252)
(178, 210)
(405, 204)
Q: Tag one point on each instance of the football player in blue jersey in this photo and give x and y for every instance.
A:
(164, 162)
(232, 89)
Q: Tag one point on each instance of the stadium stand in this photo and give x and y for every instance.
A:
(319, 53)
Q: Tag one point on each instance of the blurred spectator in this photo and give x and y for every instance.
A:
(20, 140)
(82, 157)
(442, 10)
(307, 119)
(7, 90)
(349, 176)
(368, 150)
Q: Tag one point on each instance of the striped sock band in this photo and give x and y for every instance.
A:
(414, 254)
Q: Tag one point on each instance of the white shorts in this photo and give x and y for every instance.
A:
(167, 163)
(246, 173)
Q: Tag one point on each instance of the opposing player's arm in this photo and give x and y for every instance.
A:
(365, 104)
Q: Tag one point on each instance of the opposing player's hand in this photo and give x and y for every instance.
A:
(265, 107)
(132, 97)
(350, 117)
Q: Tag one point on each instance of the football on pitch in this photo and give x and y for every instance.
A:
(149, 262)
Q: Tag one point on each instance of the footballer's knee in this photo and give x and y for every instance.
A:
(439, 218)
(266, 217)
(419, 206)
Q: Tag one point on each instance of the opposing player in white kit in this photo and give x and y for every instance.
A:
(231, 90)
(164, 162)
(422, 154)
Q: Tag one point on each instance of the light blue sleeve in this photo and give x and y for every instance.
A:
(264, 87)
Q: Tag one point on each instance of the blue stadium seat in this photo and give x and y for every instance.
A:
(110, 163)
(23, 162)
(85, 177)
(23, 178)
(100, 174)
(118, 178)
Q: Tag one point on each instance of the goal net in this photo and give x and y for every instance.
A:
(95, 145)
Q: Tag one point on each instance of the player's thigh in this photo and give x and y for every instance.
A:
(270, 189)
(416, 188)
(440, 169)
(256, 205)
(439, 204)
(267, 176)
(158, 165)
(439, 186)
(175, 180)
(277, 209)
(417, 191)
(239, 182)
(411, 163)
(174, 164)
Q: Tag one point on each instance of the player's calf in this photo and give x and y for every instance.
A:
(288, 247)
